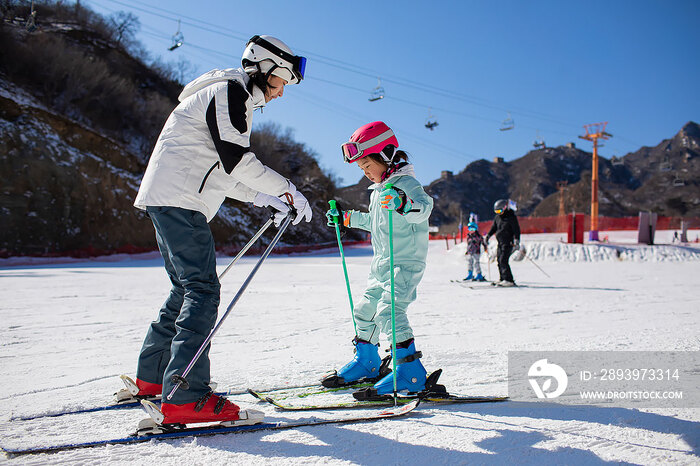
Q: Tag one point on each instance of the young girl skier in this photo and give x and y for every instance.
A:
(374, 148)
(474, 243)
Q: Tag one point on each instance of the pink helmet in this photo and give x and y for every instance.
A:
(371, 138)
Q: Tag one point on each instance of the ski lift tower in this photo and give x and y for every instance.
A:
(594, 132)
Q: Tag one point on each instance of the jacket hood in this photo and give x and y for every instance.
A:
(216, 76)
(405, 170)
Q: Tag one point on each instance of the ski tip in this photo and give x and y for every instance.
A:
(255, 394)
(399, 409)
(275, 403)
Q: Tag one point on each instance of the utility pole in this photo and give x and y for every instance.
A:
(561, 219)
(594, 132)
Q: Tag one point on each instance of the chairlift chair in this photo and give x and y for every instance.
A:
(507, 124)
(539, 142)
(178, 38)
(678, 182)
(431, 122)
(377, 92)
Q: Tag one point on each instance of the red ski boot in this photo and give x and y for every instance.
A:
(210, 408)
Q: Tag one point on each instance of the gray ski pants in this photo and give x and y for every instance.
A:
(473, 263)
(189, 313)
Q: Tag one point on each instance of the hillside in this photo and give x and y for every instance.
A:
(81, 107)
(662, 179)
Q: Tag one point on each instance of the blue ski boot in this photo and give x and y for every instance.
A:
(410, 373)
(469, 276)
(479, 278)
(365, 365)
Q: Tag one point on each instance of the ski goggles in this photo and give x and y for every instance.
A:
(356, 150)
(298, 63)
(499, 211)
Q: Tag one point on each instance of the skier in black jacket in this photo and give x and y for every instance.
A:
(507, 230)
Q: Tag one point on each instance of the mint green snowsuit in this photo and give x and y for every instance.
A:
(373, 312)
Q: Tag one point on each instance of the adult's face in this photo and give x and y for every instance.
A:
(275, 88)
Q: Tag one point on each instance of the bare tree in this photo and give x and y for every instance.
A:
(125, 25)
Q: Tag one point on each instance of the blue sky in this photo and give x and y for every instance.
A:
(552, 65)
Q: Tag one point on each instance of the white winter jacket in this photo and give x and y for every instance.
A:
(203, 152)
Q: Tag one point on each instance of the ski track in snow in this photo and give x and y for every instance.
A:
(69, 328)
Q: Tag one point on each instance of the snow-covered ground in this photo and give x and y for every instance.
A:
(68, 330)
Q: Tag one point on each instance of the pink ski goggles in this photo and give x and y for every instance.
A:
(353, 151)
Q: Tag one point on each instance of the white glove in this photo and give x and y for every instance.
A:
(300, 204)
(265, 200)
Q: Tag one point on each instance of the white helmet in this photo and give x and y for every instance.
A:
(269, 55)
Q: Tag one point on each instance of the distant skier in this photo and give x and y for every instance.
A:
(201, 157)
(507, 230)
(374, 148)
(474, 243)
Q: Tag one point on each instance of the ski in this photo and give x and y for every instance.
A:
(303, 392)
(175, 433)
(137, 403)
(473, 284)
(368, 398)
(388, 401)
(309, 389)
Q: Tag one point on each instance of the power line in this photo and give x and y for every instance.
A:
(431, 89)
(359, 70)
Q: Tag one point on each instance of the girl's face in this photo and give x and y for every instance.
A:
(373, 169)
(275, 88)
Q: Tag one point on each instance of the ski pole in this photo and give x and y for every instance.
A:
(489, 264)
(181, 380)
(247, 246)
(535, 263)
(335, 222)
(393, 298)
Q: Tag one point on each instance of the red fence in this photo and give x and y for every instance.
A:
(298, 248)
(558, 224)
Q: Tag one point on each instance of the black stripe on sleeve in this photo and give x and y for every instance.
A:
(229, 153)
(237, 97)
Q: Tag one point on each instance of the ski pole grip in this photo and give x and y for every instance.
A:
(336, 220)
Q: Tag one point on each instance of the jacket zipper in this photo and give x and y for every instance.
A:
(201, 187)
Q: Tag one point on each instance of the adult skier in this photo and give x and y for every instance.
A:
(374, 148)
(201, 157)
(507, 230)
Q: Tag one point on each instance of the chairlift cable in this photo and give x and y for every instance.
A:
(355, 69)
(350, 67)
